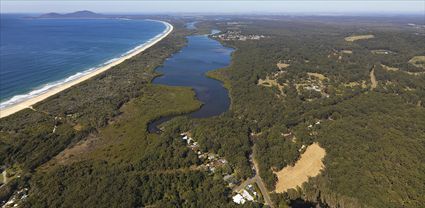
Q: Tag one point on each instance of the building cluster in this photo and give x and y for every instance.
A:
(416, 26)
(236, 35)
(312, 130)
(313, 83)
(211, 160)
(313, 87)
(316, 87)
(246, 194)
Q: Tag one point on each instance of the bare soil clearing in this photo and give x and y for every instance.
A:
(270, 83)
(73, 153)
(321, 77)
(358, 37)
(310, 164)
(418, 61)
(281, 65)
(354, 84)
(389, 68)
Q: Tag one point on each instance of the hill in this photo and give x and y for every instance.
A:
(78, 14)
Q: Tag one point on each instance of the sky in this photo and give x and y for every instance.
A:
(221, 6)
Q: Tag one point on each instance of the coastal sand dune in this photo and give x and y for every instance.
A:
(309, 165)
(31, 101)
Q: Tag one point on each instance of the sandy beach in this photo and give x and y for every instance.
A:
(31, 101)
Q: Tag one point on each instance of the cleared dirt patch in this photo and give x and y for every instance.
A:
(309, 165)
(269, 83)
(388, 68)
(78, 127)
(281, 65)
(358, 37)
(354, 84)
(418, 61)
(321, 77)
(73, 153)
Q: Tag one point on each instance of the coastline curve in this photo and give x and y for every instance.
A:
(40, 95)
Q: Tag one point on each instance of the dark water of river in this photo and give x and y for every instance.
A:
(188, 67)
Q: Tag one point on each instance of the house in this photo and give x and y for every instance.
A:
(211, 156)
(203, 156)
(302, 147)
(287, 134)
(189, 140)
(195, 144)
(247, 196)
(238, 199)
(222, 160)
(250, 187)
(314, 87)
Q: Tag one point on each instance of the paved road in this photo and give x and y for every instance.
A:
(245, 183)
(260, 183)
(257, 179)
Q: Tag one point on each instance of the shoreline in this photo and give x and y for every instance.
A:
(54, 90)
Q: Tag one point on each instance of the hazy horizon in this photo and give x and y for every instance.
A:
(220, 7)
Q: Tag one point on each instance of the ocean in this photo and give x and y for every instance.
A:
(38, 54)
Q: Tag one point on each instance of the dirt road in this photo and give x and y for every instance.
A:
(4, 177)
(373, 79)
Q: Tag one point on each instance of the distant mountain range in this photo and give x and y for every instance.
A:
(78, 14)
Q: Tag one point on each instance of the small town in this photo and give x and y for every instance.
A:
(236, 35)
(211, 162)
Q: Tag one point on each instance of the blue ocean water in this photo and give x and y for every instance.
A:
(36, 54)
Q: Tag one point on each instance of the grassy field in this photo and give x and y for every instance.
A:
(220, 75)
(309, 165)
(358, 37)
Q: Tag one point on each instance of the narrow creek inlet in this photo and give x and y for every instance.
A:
(188, 67)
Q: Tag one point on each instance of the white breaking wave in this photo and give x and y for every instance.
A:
(46, 87)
